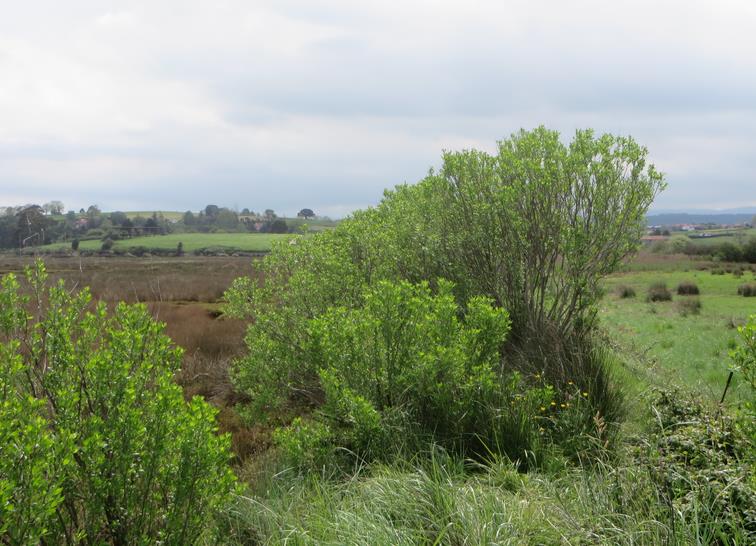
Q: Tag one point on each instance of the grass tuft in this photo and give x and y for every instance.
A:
(687, 288)
(658, 292)
(747, 290)
(625, 291)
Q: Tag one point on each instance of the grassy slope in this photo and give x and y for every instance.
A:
(253, 242)
(690, 350)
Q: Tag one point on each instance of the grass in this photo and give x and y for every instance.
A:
(689, 349)
(247, 242)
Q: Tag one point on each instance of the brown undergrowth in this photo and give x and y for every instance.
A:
(185, 294)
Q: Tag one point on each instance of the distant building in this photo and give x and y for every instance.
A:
(648, 239)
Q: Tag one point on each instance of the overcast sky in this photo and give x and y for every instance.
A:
(174, 104)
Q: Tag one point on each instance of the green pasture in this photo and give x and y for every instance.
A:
(248, 242)
(167, 214)
(677, 348)
(738, 236)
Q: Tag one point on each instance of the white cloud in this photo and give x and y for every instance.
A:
(276, 103)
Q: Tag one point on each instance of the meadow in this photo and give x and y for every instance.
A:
(230, 242)
(675, 344)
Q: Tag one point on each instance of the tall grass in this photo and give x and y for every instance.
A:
(444, 501)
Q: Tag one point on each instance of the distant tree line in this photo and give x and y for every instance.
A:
(35, 225)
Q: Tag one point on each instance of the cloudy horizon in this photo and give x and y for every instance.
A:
(170, 105)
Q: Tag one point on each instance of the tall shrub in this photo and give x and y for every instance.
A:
(538, 224)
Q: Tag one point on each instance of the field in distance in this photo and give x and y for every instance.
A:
(680, 343)
(245, 242)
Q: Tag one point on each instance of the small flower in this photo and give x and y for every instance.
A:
(562, 406)
(585, 394)
(553, 403)
(570, 383)
(543, 408)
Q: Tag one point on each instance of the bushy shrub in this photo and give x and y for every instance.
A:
(744, 355)
(687, 288)
(407, 351)
(703, 462)
(107, 244)
(689, 306)
(729, 252)
(625, 291)
(747, 290)
(522, 227)
(658, 292)
(96, 441)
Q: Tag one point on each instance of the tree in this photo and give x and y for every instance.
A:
(211, 210)
(270, 215)
(118, 218)
(75, 245)
(189, 218)
(227, 219)
(54, 207)
(245, 211)
(31, 226)
(306, 214)
(279, 226)
(180, 249)
(97, 444)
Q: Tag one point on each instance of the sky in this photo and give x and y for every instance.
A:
(175, 104)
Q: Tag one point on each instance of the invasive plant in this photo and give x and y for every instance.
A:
(658, 292)
(102, 447)
(687, 288)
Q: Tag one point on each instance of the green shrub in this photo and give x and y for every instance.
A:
(107, 244)
(744, 355)
(689, 306)
(747, 290)
(658, 292)
(104, 448)
(717, 271)
(625, 291)
(687, 288)
(408, 351)
(703, 462)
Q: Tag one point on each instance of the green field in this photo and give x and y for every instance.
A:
(167, 214)
(677, 349)
(247, 242)
(737, 236)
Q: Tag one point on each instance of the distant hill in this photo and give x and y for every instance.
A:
(700, 217)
